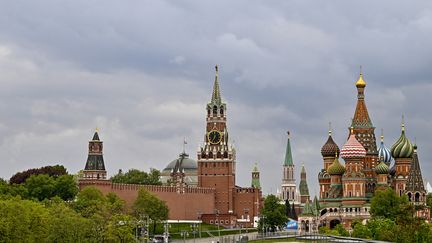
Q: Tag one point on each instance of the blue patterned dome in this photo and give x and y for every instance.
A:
(384, 152)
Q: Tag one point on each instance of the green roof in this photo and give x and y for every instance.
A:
(288, 155)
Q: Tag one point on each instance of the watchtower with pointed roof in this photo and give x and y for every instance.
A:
(95, 166)
(304, 189)
(288, 181)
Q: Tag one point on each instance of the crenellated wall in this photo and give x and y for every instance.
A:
(184, 203)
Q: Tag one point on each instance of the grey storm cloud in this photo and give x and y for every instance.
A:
(142, 72)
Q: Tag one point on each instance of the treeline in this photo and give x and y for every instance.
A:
(134, 176)
(50, 208)
(393, 219)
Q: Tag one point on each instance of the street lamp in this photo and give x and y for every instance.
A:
(199, 218)
(217, 219)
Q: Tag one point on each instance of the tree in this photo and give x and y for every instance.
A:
(21, 177)
(429, 202)
(66, 187)
(149, 205)
(361, 231)
(23, 221)
(115, 203)
(121, 228)
(134, 176)
(382, 229)
(40, 186)
(68, 226)
(273, 213)
(90, 201)
(387, 204)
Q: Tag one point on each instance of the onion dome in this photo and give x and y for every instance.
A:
(392, 170)
(403, 147)
(353, 148)
(330, 148)
(336, 168)
(382, 167)
(384, 152)
(360, 82)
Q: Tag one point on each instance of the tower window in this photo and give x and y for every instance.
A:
(214, 110)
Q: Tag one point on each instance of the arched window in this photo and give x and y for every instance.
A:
(221, 112)
(417, 197)
(214, 110)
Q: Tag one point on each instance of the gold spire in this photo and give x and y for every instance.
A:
(97, 129)
(382, 135)
(330, 129)
(403, 124)
(360, 82)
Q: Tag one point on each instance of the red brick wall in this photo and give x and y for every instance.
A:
(182, 206)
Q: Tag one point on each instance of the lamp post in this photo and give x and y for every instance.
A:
(246, 211)
(194, 228)
(200, 224)
(217, 219)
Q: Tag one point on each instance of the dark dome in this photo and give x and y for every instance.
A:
(183, 162)
(330, 148)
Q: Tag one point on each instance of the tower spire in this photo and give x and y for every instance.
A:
(288, 155)
(216, 96)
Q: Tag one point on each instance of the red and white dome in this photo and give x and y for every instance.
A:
(352, 148)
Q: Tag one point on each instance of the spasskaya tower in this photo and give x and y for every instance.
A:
(216, 158)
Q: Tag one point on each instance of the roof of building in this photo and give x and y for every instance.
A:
(352, 148)
(336, 168)
(415, 179)
(361, 117)
(384, 152)
(402, 147)
(330, 148)
(382, 167)
(288, 155)
(183, 164)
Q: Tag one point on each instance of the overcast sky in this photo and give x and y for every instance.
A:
(142, 71)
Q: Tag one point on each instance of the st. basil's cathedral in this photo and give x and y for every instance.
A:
(346, 190)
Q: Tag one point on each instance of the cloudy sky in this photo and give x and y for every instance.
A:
(142, 71)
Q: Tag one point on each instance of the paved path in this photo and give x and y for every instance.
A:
(229, 238)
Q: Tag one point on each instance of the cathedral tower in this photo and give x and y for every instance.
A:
(365, 133)
(95, 166)
(216, 159)
(288, 180)
(329, 151)
(402, 152)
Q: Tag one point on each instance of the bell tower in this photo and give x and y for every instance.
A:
(216, 158)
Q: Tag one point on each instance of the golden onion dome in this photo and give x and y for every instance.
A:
(360, 82)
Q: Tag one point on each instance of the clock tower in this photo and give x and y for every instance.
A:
(216, 158)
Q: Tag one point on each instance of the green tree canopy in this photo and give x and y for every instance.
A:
(387, 204)
(134, 176)
(148, 204)
(273, 213)
(21, 177)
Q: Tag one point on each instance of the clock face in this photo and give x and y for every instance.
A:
(214, 137)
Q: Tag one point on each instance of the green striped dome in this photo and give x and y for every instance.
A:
(403, 147)
(336, 168)
(382, 168)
